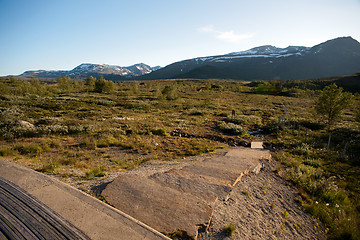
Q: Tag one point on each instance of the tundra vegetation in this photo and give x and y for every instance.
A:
(84, 130)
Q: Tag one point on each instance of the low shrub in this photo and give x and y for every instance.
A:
(18, 129)
(170, 92)
(107, 141)
(88, 143)
(48, 121)
(245, 120)
(6, 152)
(230, 128)
(304, 149)
(159, 132)
(179, 235)
(95, 172)
(312, 162)
(229, 230)
(58, 129)
(32, 149)
(49, 167)
(196, 112)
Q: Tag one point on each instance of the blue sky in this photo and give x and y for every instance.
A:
(56, 35)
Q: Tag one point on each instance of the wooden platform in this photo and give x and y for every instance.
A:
(22, 216)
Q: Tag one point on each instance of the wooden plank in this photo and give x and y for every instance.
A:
(2, 236)
(31, 216)
(12, 228)
(34, 222)
(28, 215)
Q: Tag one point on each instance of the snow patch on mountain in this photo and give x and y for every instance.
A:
(266, 51)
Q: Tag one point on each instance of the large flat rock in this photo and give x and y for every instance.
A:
(159, 206)
(207, 191)
(183, 198)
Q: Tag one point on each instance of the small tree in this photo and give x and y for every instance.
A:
(90, 82)
(101, 85)
(64, 83)
(170, 92)
(331, 102)
(110, 86)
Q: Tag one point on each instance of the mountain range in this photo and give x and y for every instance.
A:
(85, 70)
(336, 57)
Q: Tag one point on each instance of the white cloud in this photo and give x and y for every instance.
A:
(229, 36)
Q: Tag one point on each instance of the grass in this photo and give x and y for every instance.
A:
(70, 130)
(95, 172)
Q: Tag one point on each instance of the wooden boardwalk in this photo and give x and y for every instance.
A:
(22, 216)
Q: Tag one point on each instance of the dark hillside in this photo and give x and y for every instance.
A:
(337, 57)
(350, 83)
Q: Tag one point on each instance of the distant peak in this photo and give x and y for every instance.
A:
(340, 40)
(265, 48)
(343, 43)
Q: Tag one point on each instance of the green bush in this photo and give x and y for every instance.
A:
(245, 119)
(229, 230)
(230, 128)
(270, 88)
(159, 132)
(108, 141)
(17, 129)
(102, 85)
(6, 152)
(32, 149)
(170, 92)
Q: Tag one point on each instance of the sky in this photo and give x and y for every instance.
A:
(60, 35)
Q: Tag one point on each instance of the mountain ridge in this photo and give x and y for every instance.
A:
(335, 57)
(85, 70)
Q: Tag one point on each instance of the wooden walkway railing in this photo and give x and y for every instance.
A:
(22, 216)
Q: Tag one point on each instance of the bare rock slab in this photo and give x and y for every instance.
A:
(207, 191)
(183, 198)
(159, 206)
